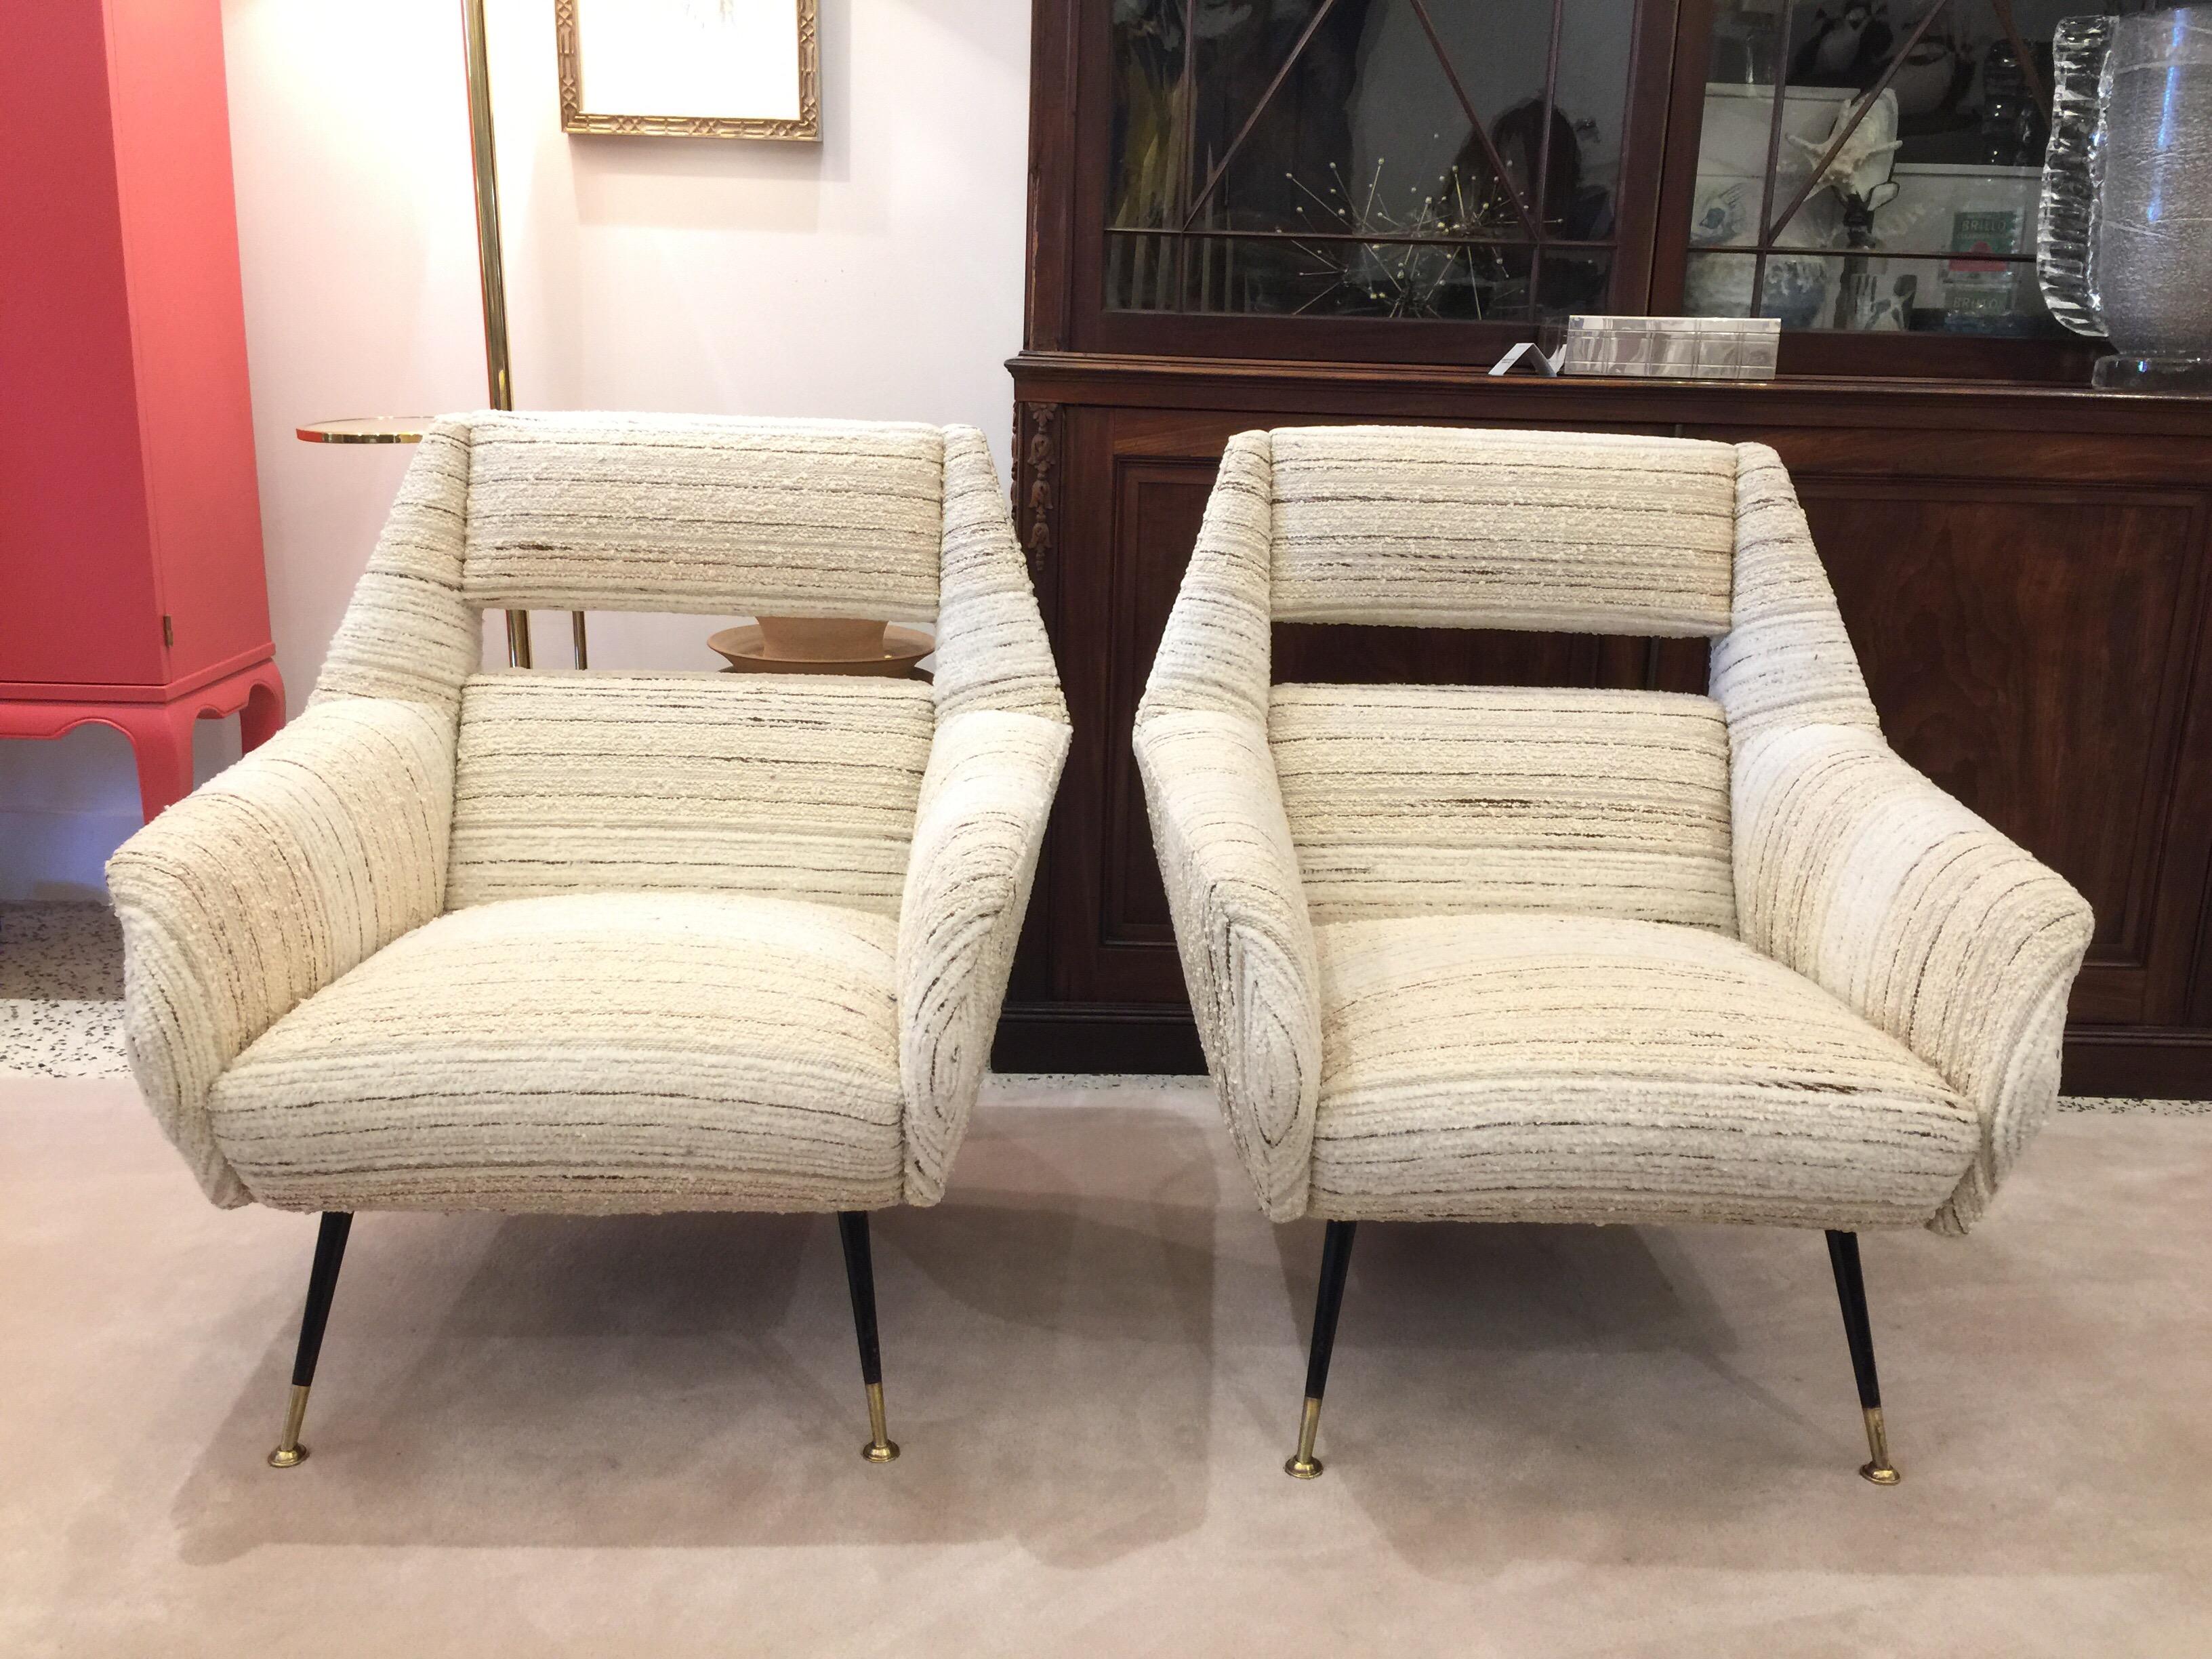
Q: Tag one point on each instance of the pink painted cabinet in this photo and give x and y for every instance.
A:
(132, 588)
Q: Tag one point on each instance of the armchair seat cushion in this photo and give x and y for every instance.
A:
(1525, 1067)
(608, 1052)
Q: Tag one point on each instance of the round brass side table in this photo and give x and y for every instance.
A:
(366, 429)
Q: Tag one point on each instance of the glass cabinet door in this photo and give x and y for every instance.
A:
(1366, 159)
(1873, 166)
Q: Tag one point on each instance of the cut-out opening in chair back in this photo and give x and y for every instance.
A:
(782, 786)
(1433, 799)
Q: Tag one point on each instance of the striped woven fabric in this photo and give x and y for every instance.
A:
(1467, 952)
(1242, 926)
(991, 646)
(1528, 1067)
(1244, 935)
(1864, 877)
(1603, 533)
(796, 786)
(1787, 661)
(408, 633)
(792, 518)
(1214, 655)
(270, 881)
(600, 1052)
(977, 836)
(1412, 799)
(711, 941)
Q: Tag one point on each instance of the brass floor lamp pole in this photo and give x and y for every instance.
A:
(409, 428)
(485, 166)
(491, 264)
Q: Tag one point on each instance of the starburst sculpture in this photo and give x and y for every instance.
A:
(1412, 262)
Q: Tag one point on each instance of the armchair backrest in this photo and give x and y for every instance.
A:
(801, 786)
(707, 516)
(1575, 532)
(1404, 801)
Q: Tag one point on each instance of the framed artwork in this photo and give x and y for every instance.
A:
(690, 68)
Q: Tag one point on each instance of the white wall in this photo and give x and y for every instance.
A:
(876, 275)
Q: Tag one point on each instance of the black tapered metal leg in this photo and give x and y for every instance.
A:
(322, 1285)
(860, 1280)
(1336, 1264)
(1850, 1291)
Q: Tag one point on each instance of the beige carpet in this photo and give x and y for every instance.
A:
(640, 1437)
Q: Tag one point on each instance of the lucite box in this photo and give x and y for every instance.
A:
(1672, 348)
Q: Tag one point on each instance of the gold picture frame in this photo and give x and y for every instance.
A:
(804, 128)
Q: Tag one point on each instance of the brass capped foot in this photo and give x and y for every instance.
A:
(881, 1448)
(1878, 1469)
(290, 1453)
(1304, 1466)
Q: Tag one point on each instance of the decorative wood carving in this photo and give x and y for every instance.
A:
(1037, 482)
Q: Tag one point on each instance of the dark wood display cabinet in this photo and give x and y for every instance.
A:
(2022, 562)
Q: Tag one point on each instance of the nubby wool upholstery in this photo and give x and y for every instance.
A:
(635, 513)
(1412, 799)
(1614, 534)
(798, 786)
(268, 883)
(600, 941)
(1575, 955)
(602, 1051)
(1509, 1066)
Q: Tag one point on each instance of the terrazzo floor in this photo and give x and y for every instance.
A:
(61, 989)
(61, 1011)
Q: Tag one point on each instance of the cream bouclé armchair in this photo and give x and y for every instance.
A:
(1580, 955)
(613, 942)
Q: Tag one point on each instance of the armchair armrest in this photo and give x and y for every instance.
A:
(1247, 943)
(985, 796)
(1858, 872)
(314, 852)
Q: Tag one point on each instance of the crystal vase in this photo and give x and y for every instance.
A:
(2126, 250)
